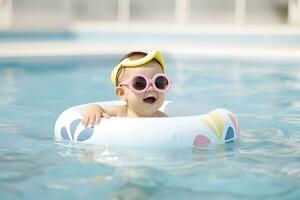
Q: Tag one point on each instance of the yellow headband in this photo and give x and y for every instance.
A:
(155, 54)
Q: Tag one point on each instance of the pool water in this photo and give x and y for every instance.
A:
(111, 37)
(263, 164)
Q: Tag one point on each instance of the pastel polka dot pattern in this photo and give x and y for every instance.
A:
(85, 134)
(229, 135)
(201, 141)
(234, 123)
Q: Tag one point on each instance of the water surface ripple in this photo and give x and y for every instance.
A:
(263, 164)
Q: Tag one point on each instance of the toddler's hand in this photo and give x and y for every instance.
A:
(92, 114)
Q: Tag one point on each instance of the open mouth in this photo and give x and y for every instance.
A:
(149, 100)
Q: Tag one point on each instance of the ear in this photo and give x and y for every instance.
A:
(120, 92)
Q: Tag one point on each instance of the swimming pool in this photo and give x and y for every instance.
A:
(141, 37)
(264, 163)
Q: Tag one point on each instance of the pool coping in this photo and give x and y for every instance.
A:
(37, 49)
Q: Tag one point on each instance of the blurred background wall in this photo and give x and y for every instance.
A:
(62, 14)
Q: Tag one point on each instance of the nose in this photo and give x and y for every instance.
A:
(151, 88)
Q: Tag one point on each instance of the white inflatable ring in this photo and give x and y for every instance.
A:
(218, 126)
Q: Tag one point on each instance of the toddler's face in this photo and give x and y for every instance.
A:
(148, 102)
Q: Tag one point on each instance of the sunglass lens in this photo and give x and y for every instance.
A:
(139, 83)
(161, 82)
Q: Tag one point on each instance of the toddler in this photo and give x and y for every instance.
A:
(140, 82)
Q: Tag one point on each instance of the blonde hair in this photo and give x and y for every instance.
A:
(134, 55)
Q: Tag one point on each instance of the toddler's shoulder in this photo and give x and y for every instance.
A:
(120, 110)
(115, 110)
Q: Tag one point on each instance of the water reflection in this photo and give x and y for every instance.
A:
(8, 86)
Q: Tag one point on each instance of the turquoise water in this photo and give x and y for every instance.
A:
(263, 164)
(107, 37)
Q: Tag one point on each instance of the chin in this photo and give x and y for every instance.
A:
(150, 110)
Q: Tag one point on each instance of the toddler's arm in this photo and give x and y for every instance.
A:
(92, 114)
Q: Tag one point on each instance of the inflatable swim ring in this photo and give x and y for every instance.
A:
(218, 126)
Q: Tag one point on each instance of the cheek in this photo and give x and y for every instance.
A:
(161, 96)
(161, 99)
(128, 93)
(132, 96)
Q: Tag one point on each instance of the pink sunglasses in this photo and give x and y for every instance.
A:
(139, 83)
